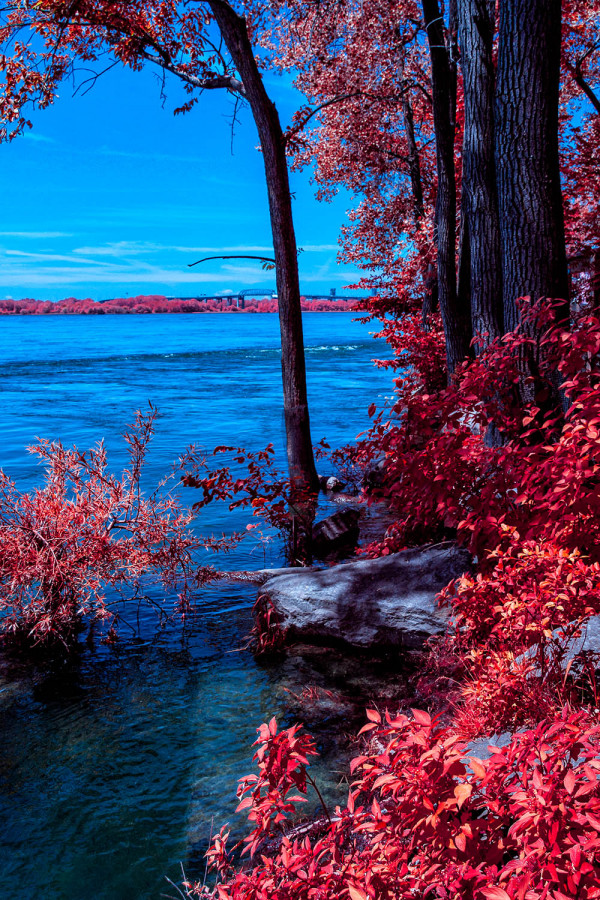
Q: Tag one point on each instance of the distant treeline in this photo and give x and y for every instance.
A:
(158, 304)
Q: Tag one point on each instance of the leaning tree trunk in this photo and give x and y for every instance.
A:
(477, 19)
(456, 316)
(303, 474)
(532, 233)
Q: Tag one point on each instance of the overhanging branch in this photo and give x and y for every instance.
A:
(227, 82)
(207, 258)
(576, 73)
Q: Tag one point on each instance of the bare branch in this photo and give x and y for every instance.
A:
(207, 258)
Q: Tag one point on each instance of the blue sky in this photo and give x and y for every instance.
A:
(111, 195)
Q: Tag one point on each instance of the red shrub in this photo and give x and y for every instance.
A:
(426, 819)
(84, 530)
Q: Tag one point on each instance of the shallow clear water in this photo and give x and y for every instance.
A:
(113, 768)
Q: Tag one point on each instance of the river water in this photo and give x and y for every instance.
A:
(115, 767)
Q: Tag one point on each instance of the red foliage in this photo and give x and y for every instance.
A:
(426, 819)
(86, 530)
(544, 481)
(159, 304)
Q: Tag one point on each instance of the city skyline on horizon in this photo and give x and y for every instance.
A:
(111, 195)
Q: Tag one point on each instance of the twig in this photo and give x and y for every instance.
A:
(323, 804)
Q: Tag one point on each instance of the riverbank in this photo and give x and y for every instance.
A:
(166, 305)
(170, 716)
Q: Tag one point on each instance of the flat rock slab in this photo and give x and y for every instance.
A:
(385, 602)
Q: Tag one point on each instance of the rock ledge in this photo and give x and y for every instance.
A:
(372, 603)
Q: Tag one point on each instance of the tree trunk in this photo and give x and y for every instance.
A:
(302, 471)
(456, 317)
(464, 286)
(477, 20)
(414, 162)
(527, 162)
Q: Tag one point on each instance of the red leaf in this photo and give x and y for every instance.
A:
(570, 781)
(421, 717)
(495, 893)
(462, 792)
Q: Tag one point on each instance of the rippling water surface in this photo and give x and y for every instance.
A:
(113, 767)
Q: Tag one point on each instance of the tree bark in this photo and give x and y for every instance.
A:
(414, 161)
(477, 19)
(456, 317)
(534, 260)
(302, 471)
(464, 286)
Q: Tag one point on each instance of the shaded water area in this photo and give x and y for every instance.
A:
(114, 766)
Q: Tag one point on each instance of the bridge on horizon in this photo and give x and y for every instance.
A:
(239, 299)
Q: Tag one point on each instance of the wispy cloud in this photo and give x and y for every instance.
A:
(344, 276)
(319, 248)
(28, 277)
(38, 138)
(237, 248)
(282, 82)
(165, 157)
(252, 273)
(50, 257)
(138, 266)
(135, 248)
(36, 235)
(120, 249)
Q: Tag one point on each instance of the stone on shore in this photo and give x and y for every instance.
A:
(372, 603)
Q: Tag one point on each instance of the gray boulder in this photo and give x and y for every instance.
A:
(372, 603)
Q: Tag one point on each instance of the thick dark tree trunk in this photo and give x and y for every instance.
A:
(303, 475)
(479, 208)
(456, 317)
(596, 282)
(527, 163)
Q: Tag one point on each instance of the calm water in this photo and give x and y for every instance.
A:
(113, 768)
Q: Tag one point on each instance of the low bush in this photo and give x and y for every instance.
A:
(84, 531)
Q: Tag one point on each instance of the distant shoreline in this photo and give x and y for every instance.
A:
(155, 304)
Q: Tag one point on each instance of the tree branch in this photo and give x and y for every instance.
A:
(292, 131)
(228, 82)
(207, 258)
(577, 75)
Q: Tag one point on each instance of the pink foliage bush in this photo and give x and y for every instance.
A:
(425, 816)
(84, 531)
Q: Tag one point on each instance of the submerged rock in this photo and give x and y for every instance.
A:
(331, 484)
(386, 602)
(336, 532)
